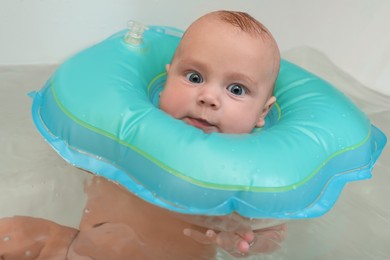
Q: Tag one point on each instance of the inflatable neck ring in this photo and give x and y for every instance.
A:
(99, 112)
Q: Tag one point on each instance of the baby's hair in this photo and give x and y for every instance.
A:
(243, 21)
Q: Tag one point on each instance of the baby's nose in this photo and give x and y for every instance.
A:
(209, 98)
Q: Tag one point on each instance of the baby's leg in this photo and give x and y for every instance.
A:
(33, 238)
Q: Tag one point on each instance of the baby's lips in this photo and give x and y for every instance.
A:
(202, 124)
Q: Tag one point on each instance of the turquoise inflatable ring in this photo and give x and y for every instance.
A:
(99, 111)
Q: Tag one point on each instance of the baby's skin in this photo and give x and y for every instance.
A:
(239, 236)
(117, 225)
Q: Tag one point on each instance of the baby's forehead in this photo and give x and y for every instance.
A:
(205, 25)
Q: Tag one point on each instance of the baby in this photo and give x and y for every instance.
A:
(220, 79)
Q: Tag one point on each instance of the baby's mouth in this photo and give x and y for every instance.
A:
(201, 124)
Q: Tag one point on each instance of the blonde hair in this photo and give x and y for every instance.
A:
(243, 21)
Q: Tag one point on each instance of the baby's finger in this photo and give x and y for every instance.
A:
(246, 234)
(204, 239)
(232, 243)
(268, 240)
(244, 238)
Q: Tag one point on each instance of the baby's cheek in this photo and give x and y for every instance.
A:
(164, 103)
(239, 123)
(169, 108)
(176, 105)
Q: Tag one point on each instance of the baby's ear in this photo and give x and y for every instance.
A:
(267, 107)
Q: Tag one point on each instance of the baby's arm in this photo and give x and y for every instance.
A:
(40, 239)
(243, 242)
(34, 238)
(114, 241)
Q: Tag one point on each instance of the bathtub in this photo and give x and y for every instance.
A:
(36, 182)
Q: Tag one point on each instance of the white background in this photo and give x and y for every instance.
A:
(354, 34)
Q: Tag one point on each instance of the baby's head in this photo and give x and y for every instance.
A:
(222, 75)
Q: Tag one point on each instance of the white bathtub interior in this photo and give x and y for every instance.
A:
(35, 181)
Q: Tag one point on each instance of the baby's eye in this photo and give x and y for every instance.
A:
(236, 89)
(194, 77)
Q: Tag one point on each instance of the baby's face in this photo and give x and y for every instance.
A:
(220, 79)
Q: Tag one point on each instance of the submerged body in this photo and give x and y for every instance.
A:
(116, 225)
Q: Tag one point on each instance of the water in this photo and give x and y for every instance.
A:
(32, 174)
(40, 183)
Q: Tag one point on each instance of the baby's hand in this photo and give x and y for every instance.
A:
(242, 243)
